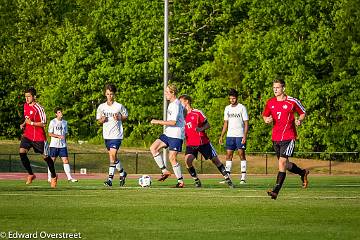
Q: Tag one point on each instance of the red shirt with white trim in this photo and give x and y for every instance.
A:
(282, 113)
(35, 113)
(195, 118)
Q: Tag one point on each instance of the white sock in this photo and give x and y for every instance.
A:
(118, 165)
(228, 166)
(49, 175)
(111, 172)
(159, 161)
(243, 169)
(177, 171)
(67, 170)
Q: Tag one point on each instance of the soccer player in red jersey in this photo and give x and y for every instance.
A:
(197, 141)
(280, 111)
(34, 136)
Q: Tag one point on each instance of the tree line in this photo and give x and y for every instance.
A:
(69, 49)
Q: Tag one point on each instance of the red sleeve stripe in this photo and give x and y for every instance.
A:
(298, 103)
(41, 113)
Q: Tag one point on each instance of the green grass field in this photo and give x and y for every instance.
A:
(329, 209)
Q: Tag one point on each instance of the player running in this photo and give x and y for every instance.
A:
(111, 115)
(172, 138)
(236, 123)
(280, 110)
(197, 141)
(58, 147)
(34, 136)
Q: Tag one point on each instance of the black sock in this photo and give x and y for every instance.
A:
(26, 163)
(295, 169)
(279, 181)
(192, 172)
(51, 166)
(223, 171)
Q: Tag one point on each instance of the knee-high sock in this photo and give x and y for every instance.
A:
(223, 171)
(159, 161)
(192, 172)
(292, 167)
(26, 163)
(243, 169)
(111, 172)
(119, 167)
(177, 171)
(228, 166)
(51, 166)
(279, 181)
(67, 171)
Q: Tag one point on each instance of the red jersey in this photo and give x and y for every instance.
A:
(195, 118)
(282, 113)
(35, 113)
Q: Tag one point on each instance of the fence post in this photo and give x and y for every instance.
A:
(266, 164)
(136, 162)
(74, 162)
(201, 163)
(9, 162)
(330, 164)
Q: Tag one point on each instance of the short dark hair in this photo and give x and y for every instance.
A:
(31, 90)
(233, 92)
(281, 81)
(57, 109)
(110, 87)
(186, 97)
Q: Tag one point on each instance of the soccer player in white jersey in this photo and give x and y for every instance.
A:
(236, 123)
(111, 115)
(172, 138)
(58, 147)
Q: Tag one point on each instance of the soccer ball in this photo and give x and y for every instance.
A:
(145, 181)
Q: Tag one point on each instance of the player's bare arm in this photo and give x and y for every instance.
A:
(203, 128)
(37, 124)
(301, 118)
(268, 119)
(56, 136)
(120, 117)
(162, 122)
(224, 129)
(246, 130)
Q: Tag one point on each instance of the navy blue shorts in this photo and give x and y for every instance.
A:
(174, 144)
(207, 150)
(234, 143)
(58, 152)
(113, 143)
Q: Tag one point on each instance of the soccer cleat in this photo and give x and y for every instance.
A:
(304, 179)
(123, 179)
(222, 182)
(272, 194)
(53, 182)
(164, 176)
(197, 183)
(229, 183)
(30, 178)
(242, 181)
(73, 180)
(108, 183)
(179, 185)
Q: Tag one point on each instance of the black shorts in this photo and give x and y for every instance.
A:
(207, 150)
(284, 148)
(38, 146)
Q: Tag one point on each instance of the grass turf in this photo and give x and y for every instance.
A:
(329, 209)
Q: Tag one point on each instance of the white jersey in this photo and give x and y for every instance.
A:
(59, 128)
(175, 112)
(112, 129)
(235, 116)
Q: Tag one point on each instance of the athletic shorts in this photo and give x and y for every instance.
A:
(234, 143)
(58, 152)
(113, 143)
(207, 150)
(41, 147)
(284, 148)
(174, 144)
